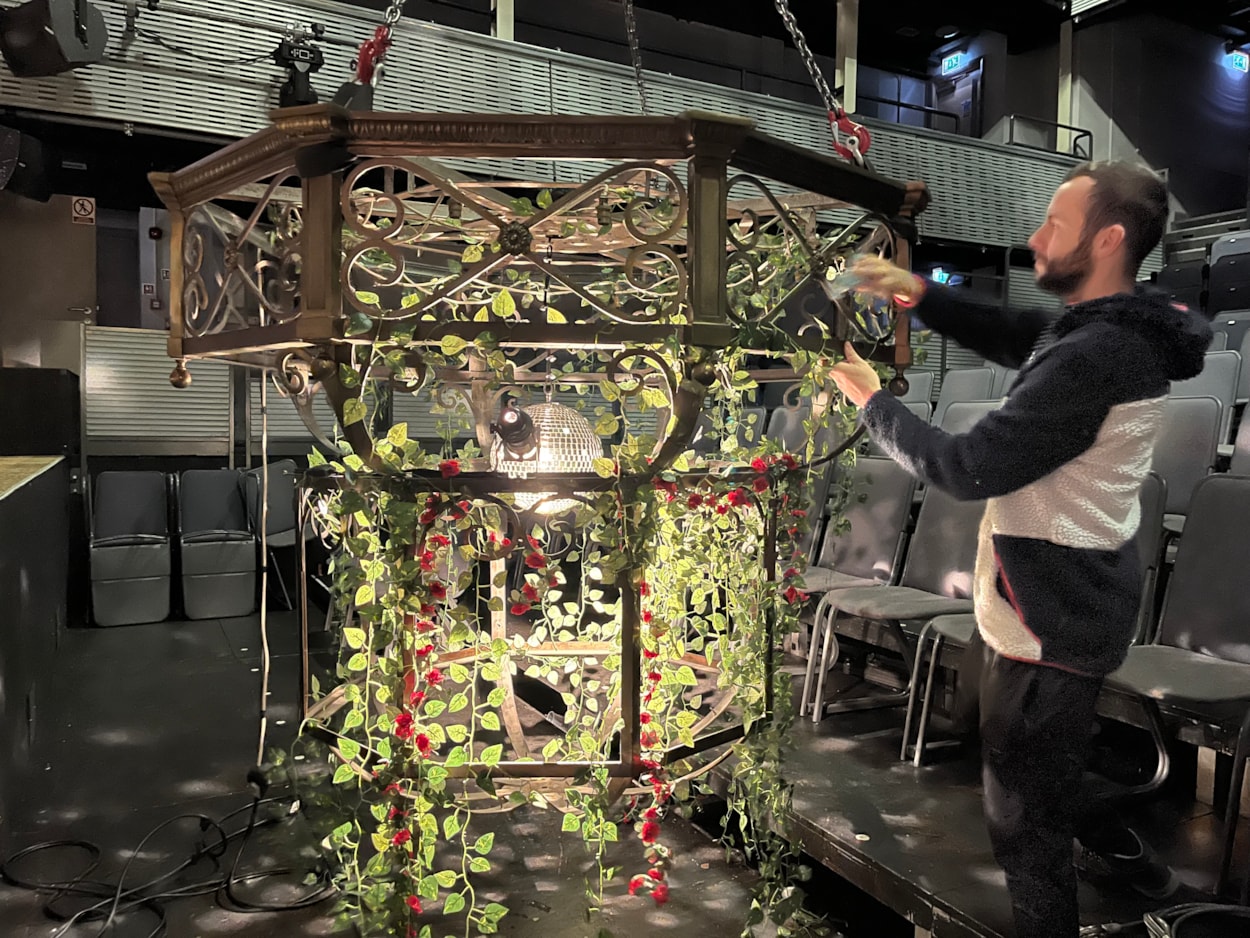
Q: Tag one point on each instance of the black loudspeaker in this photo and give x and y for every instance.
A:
(47, 37)
(22, 167)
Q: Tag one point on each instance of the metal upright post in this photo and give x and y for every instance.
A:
(847, 52)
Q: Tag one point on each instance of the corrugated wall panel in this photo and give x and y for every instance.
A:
(984, 193)
(129, 396)
(284, 420)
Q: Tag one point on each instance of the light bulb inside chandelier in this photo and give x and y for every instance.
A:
(543, 438)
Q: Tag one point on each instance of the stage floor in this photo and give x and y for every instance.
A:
(136, 725)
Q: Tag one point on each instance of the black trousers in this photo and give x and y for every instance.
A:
(1035, 724)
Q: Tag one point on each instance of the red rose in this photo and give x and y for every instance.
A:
(438, 590)
(393, 788)
(655, 872)
(534, 542)
(423, 744)
(440, 540)
(424, 650)
(646, 617)
(553, 582)
(520, 609)
(789, 461)
(793, 595)
(417, 698)
(427, 560)
(530, 592)
(403, 726)
(644, 718)
(650, 832)
(649, 654)
(694, 501)
(644, 589)
(428, 516)
(654, 676)
(722, 509)
(535, 560)
(660, 893)
(759, 465)
(738, 497)
(651, 814)
(414, 903)
(393, 813)
(428, 610)
(425, 625)
(435, 677)
(464, 504)
(790, 572)
(760, 484)
(799, 513)
(635, 883)
(401, 838)
(449, 468)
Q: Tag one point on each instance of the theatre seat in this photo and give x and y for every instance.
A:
(130, 549)
(217, 545)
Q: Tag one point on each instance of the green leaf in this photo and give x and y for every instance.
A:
(353, 719)
(457, 733)
(358, 662)
(458, 673)
(495, 911)
(315, 458)
(605, 468)
(434, 708)
(492, 754)
(368, 297)
(380, 841)
(357, 323)
(452, 345)
(456, 758)
(496, 697)
(355, 638)
(479, 865)
(454, 904)
(343, 774)
(490, 721)
(484, 844)
(364, 597)
(353, 411)
(458, 703)
(544, 198)
(685, 676)
(451, 826)
(428, 888)
(472, 254)
(571, 823)
(503, 305)
(349, 748)
(398, 434)
(445, 878)
(555, 316)
(409, 300)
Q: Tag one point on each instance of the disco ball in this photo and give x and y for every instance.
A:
(566, 442)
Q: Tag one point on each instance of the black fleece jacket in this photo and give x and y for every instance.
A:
(1060, 463)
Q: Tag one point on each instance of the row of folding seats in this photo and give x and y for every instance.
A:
(197, 528)
(1215, 285)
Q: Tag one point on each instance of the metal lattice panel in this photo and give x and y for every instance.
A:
(129, 396)
(983, 193)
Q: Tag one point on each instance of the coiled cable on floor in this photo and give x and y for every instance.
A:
(115, 899)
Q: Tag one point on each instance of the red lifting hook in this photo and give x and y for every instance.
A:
(858, 137)
(371, 53)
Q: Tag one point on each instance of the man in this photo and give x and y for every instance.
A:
(1057, 579)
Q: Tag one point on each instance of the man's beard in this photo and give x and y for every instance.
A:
(1065, 276)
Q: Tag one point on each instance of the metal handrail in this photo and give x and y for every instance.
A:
(912, 107)
(1080, 134)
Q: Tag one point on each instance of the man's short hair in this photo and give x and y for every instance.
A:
(1130, 195)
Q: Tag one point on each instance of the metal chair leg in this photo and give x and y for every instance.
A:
(829, 650)
(913, 689)
(935, 654)
(1232, 810)
(805, 698)
(1163, 765)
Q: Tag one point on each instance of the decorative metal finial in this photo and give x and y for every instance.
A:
(180, 377)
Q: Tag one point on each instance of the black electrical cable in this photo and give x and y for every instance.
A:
(115, 899)
(158, 39)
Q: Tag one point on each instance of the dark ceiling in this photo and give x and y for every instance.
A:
(903, 34)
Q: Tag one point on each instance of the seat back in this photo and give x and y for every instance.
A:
(211, 500)
(785, 427)
(128, 504)
(1218, 379)
(281, 496)
(1003, 377)
(1207, 606)
(919, 387)
(877, 513)
(1149, 537)
(1185, 449)
(1243, 376)
(1234, 323)
(1219, 342)
(962, 416)
(943, 550)
(963, 384)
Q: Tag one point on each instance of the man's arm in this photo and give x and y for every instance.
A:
(1049, 419)
(1005, 336)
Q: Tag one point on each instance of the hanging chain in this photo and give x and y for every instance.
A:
(393, 13)
(813, 68)
(635, 52)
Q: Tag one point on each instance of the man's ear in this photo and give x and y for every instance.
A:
(1109, 240)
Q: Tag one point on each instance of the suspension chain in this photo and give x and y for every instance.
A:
(635, 52)
(393, 13)
(813, 68)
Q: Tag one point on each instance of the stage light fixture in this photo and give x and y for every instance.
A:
(46, 37)
(543, 438)
(22, 165)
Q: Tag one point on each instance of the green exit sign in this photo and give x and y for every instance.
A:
(952, 63)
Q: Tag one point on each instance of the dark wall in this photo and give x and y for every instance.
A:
(34, 539)
(1159, 91)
